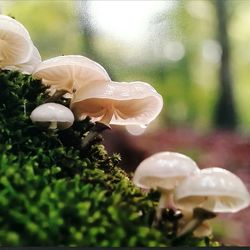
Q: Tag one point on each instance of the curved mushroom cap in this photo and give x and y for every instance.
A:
(135, 103)
(15, 42)
(215, 189)
(48, 113)
(70, 72)
(164, 170)
(30, 64)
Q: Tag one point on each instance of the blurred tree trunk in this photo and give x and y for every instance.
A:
(88, 32)
(225, 113)
(88, 36)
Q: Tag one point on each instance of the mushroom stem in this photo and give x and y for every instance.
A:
(204, 230)
(199, 215)
(166, 201)
(93, 133)
(53, 125)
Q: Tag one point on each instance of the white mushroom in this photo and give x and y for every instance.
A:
(29, 66)
(70, 72)
(164, 171)
(135, 103)
(213, 189)
(52, 116)
(15, 43)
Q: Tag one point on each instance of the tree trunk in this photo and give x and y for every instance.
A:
(225, 113)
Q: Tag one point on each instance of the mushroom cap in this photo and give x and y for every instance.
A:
(214, 189)
(52, 112)
(70, 72)
(29, 66)
(135, 103)
(164, 170)
(15, 42)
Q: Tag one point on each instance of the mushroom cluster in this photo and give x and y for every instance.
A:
(85, 83)
(198, 194)
(94, 94)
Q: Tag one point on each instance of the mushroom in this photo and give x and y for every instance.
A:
(29, 66)
(52, 116)
(214, 189)
(119, 103)
(15, 43)
(70, 72)
(164, 171)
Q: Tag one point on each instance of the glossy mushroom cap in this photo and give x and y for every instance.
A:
(15, 43)
(164, 170)
(70, 72)
(214, 189)
(135, 103)
(52, 116)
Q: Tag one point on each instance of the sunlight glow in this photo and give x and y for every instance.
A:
(211, 51)
(125, 20)
(174, 50)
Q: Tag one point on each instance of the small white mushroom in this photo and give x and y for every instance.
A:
(52, 116)
(213, 189)
(70, 72)
(164, 171)
(135, 103)
(15, 43)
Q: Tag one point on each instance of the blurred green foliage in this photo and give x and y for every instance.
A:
(52, 25)
(54, 193)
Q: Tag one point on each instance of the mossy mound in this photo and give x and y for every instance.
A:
(53, 193)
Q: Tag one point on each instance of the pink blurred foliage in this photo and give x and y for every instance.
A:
(218, 148)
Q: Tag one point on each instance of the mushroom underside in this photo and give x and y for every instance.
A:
(167, 183)
(12, 48)
(58, 124)
(134, 111)
(219, 203)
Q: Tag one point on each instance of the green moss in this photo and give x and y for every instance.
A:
(53, 193)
